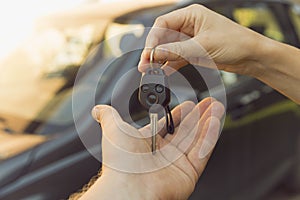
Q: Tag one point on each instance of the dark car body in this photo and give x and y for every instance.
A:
(258, 150)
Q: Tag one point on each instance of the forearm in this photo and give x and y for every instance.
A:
(278, 65)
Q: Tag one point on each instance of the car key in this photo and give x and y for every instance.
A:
(154, 93)
(153, 127)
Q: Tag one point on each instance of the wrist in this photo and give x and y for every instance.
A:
(120, 186)
(261, 49)
(272, 57)
(264, 55)
(277, 65)
(268, 57)
(252, 55)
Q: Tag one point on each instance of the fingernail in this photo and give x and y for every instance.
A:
(210, 139)
(205, 149)
(218, 108)
(139, 66)
(96, 113)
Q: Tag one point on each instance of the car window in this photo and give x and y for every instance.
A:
(295, 15)
(259, 18)
(122, 35)
(35, 81)
(45, 66)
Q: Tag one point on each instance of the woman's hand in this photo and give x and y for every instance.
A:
(131, 171)
(200, 36)
(204, 34)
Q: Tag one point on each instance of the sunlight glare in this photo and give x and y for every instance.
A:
(17, 19)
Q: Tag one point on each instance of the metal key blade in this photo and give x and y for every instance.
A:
(153, 125)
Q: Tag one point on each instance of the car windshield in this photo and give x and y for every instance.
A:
(37, 78)
(295, 15)
(30, 82)
(38, 73)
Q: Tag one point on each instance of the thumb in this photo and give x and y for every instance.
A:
(114, 129)
(188, 50)
(176, 53)
(106, 115)
(112, 125)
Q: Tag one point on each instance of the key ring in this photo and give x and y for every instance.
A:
(152, 57)
(168, 114)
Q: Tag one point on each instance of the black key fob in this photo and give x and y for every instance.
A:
(154, 89)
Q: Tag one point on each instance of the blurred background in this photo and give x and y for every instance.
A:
(43, 44)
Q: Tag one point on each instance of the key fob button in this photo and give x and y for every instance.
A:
(145, 88)
(159, 88)
(152, 99)
(154, 88)
(155, 71)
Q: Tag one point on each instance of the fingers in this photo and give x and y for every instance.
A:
(200, 153)
(216, 109)
(117, 133)
(178, 54)
(211, 128)
(172, 35)
(172, 21)
(182, 52)
(165, 30)
(208, 137)
(178, 113)
(181, 111)
(122, 151)
(189, 122)
(104, 113)
(211, 135)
